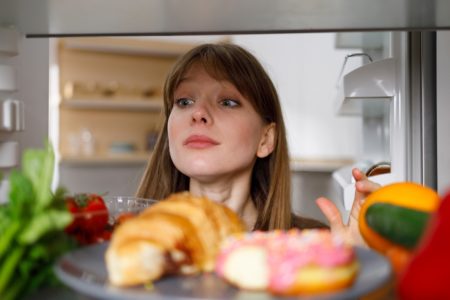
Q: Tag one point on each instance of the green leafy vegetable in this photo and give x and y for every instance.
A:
(42, 223)
(10, 264)
(38, 167)
(32, 226)
(20, 195)
(7, 236)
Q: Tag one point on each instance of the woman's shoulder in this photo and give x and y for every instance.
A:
(307, 223)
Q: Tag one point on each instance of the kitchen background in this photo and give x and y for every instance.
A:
(103, 148)
(304, 67)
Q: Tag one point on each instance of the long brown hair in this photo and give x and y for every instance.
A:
(270, 184)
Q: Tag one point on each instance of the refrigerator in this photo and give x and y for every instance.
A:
(408, 113)
(396, 100)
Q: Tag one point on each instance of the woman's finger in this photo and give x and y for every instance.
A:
(349, 233)
(332, 213)
(363, 183)
(358, 174)
(366, 186)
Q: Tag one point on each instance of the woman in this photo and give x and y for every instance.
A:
(224, 138)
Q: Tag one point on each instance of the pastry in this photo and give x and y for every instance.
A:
(179, 235)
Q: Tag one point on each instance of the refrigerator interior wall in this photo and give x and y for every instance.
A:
(26, 104)
(443, 110)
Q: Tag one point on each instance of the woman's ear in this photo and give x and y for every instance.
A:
(267, 142)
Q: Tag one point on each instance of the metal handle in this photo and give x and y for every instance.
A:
(345, 62)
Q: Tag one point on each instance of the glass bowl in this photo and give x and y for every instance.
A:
(120, 206)
(94, 222)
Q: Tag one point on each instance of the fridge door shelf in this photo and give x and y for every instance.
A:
(9, 41)
(8, 79)
(12, 115)
(367, 90)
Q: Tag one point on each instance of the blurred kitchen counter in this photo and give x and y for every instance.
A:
(318, 164)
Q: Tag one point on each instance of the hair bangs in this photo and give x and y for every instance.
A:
(220, 64)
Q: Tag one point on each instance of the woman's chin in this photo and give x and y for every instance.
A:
(206, 171)
(199, 170)
(203, 177)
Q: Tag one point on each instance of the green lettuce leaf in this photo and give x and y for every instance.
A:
(21, 195)
(37, 165)
(41, 224)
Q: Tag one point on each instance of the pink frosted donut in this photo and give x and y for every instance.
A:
(288, 262)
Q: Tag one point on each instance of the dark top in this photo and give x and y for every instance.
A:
(307, 223)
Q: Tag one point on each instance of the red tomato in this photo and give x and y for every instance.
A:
(90, 218)
(106, 235)
(73, 208)
(95, 214)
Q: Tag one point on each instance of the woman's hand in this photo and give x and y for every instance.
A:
(350, 232)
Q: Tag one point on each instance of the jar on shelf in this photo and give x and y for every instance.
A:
(87, 142)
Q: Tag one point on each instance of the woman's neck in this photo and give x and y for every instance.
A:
(234, 193)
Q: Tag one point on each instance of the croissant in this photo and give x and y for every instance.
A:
(179, 235)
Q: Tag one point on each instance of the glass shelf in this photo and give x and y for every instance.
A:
(187, 17)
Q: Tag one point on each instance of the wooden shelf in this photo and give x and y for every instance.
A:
(106, 159)
(127, 115)
(112, 104)
(129, 46)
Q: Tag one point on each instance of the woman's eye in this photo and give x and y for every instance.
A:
(184, 102)
(230, 103)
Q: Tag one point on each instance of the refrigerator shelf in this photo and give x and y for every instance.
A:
(367, 90)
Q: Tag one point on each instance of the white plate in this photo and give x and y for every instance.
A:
(84, 270)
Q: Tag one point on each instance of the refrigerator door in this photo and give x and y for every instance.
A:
(407, 81)
(423, 116)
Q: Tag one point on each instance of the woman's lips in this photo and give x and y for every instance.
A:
(200, 142)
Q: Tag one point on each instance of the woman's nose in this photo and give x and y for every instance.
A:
(201, 115)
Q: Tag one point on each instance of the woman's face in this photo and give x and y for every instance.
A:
(213, 131)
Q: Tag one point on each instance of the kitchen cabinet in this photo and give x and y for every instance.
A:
(111, 97)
